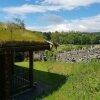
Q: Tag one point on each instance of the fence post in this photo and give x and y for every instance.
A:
(31, 68)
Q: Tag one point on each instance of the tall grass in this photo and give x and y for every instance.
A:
(83, 81)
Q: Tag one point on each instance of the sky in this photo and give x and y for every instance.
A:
(53, 15)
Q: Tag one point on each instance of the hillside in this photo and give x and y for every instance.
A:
(13, 32)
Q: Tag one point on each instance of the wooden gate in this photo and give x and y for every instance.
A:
(20, 79)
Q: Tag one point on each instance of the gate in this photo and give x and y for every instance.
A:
(20, 79)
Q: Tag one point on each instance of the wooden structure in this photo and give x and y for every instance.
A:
(13, 78)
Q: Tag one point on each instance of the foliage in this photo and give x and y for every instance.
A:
(73, 37)
(55, 37)
(50, 55)
(19, 22)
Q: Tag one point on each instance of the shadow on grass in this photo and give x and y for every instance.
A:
(47, 83)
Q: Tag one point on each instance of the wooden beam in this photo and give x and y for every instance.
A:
(31, 68)
(12, 61)
(26, 48)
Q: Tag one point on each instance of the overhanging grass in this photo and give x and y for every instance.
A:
(17, 33)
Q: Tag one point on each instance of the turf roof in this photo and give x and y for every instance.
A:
(14, 32)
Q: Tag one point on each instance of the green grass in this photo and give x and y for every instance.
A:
(18, 34)
(69, 47)
(82, 80)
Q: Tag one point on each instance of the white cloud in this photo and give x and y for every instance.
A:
(89, 24)
(50, 28)
(49, 5)
(70, 4)
(23, 9)
(28, 8)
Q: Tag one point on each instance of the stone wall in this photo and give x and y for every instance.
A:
(84, 55)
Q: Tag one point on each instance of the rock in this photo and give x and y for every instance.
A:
(83, 55)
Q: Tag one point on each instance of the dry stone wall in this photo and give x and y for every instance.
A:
(84, 55)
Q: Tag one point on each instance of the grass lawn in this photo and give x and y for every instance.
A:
(70, 81)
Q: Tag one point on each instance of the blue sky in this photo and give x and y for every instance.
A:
(53, 15)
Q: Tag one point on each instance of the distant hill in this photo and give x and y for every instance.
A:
(13, 32)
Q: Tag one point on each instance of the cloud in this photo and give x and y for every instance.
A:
(29, 8)
(49, 5)
(86, 24)
(50, 28)
(51, 19)
(70, 4)
(89, 24)
(56, 23)
(23, 9)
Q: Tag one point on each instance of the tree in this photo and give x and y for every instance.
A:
(55, 37)
(92, 38)
(20, 22)
(47, 35)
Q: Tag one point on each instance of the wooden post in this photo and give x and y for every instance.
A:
(12, 61)
(6, 75)
(31, 68)
(1, 77)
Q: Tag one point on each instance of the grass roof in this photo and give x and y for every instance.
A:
(13, 32)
